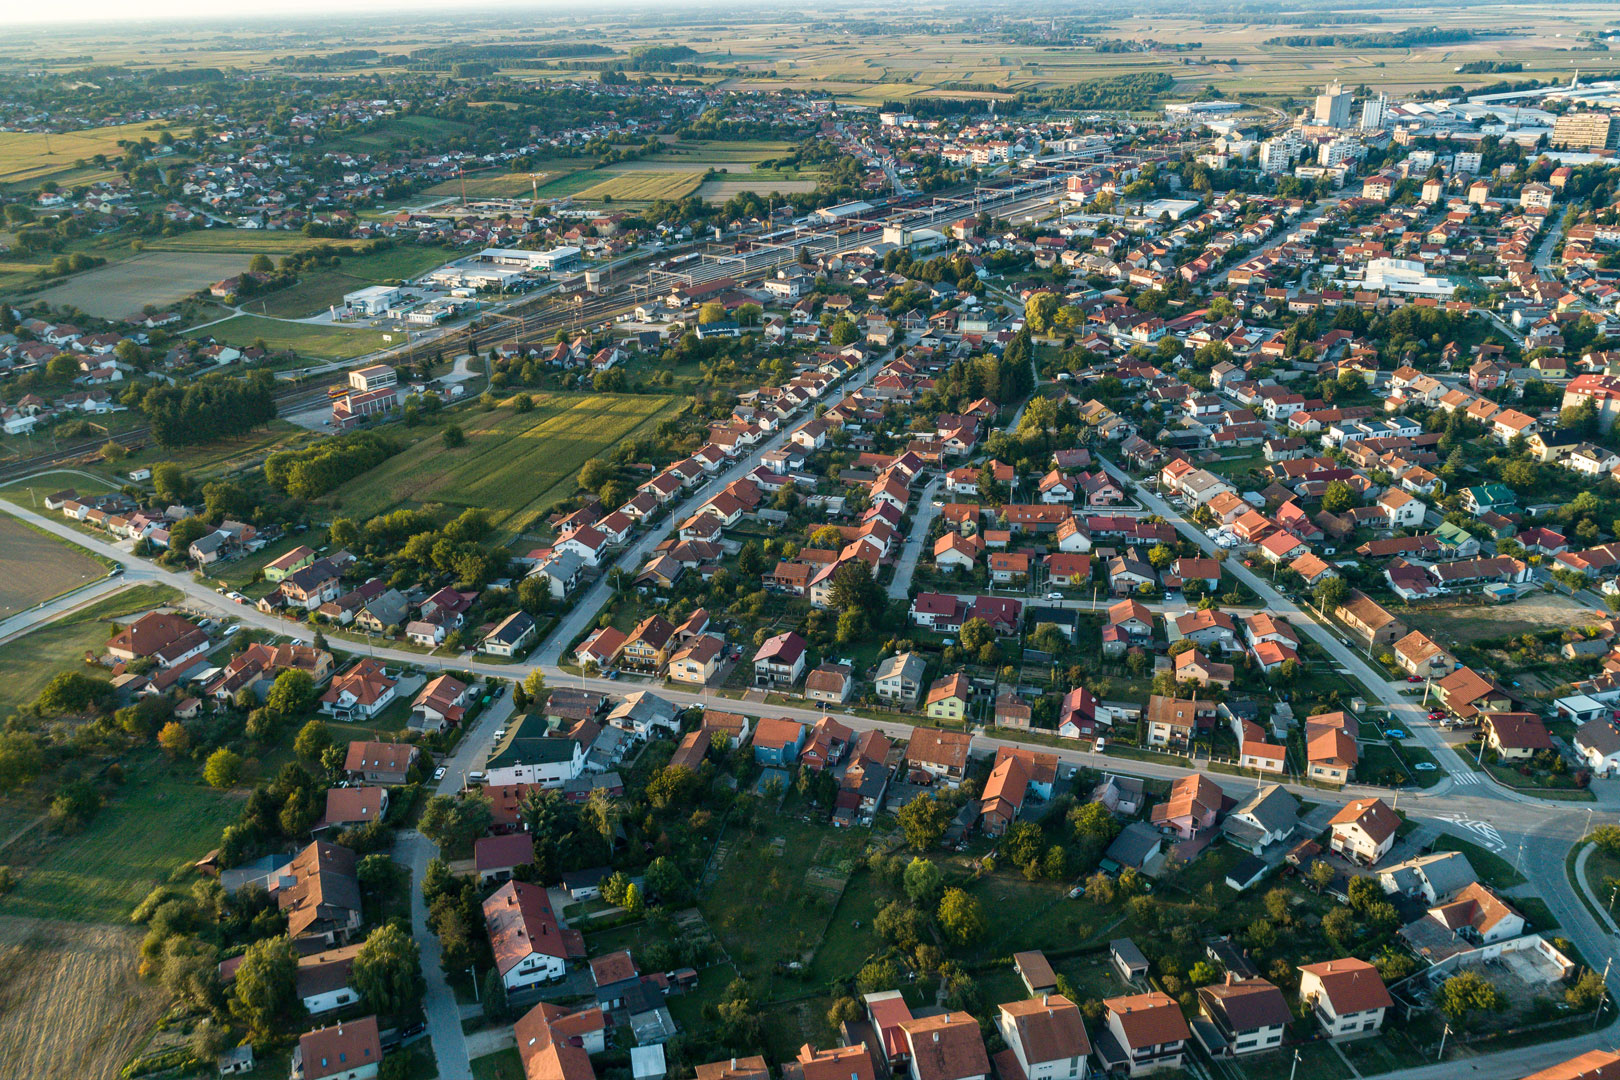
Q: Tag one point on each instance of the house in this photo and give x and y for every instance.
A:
(1173, 722)
(510, 637)
(296, 559)
(898, 679)
(1194, 666)
(698, 662)
(1363, 831)
(1035, 971)
(1515, 736)
(852, 1062)
(780, 661)
(945, 1047)
(1346, 996)
(828, 742)
(380, 762)
(1465, 693)
(1243, 1017)
(359, 693)
(496, 857)
(1592, 1065)
(647, 647)
(1478, 916)
(1418, 655)
(347, 1051)
(938, 755)
(948, 697)
(440, 704)
(1143, 1032)
(319, 893)
(1331, 752)
(830, 684)
(1046, 1036)
(778, 741)
(353, 806)
(614, 974)
(556, 1042)
(1136, 845)
(168, 640)
(1436, 877)
(1267, 817)
(644, 715)
(323, 979)
(1367, 621)
(1191, 807)
(1598, 743)
(1127, 959)
(530, 945)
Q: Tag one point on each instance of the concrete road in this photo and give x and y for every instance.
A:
(906, 566)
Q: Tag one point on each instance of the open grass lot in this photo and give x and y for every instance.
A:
(758, 183)
(317, 290)
(163, 817)
(216, 458)
(501, 1065)
(36, 566)
(639, 186)
(27, 663)
(71, 1004)
(1450, 623)
(28, 157)
(316, 340)
(515, 465)
(150, 277)
(31, 492)
(247, 242)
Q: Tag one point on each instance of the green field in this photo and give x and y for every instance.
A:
(27, 156)
(317, 290)
(28, 663)
(36, 566)
(313, 340)
(515, 465)
(216, 458)
(137, 840)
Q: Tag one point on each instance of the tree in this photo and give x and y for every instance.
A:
(388, 972)
(924, 821)
(173, 739)
(827, 537)
(454, 437)
(534, 684)
(877, 976)
(1330, 592)
(20, 759)
(712, 312)
(312, 741)
(223, 768)
(1339, 497)
(633, 902)
(1023, 843)
(900, 924)
(1320, 874)
(842, 332)
(266, 986)
(976, 634)
(1607, 839)
(854, 590)
(71, 692)
(1340, 926)
(594, 473)
(1039, 310)
(1093, 825)
(961, 917)
(291, 694)
(1586, 992)
(924, 882)
(452, 823)
(1468, 992)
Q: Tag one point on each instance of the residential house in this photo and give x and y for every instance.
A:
(1346, 996)
(1363, 831)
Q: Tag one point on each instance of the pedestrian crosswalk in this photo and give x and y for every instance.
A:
(1465, 778)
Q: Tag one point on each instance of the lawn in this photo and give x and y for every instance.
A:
(320, 289)
(32, 492)
(515, 465)
(501, 1065)
(36, 566)
(1318, 1061)
(146, 829)
(228, 455)
(317, 341)
(128, 283)
(29, 662)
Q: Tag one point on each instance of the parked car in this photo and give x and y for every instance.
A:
(438, 774)
(1414, 678)
(1424, 766)
(1394, 733)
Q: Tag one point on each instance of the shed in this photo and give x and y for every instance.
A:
(647, 1062)
(1037, 973)
(1127, 959)
(1248, 870)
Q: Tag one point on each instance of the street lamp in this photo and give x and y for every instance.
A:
(1443, 1035)
(1295, 1068)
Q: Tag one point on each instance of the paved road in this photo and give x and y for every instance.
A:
(906, 566)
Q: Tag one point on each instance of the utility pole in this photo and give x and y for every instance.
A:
(1604, 997)
(1443, 1035)
(1295, 1067)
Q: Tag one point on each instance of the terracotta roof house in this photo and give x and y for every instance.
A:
(1046, 1038)
(319, 893)
(1143, 1032)
(1347, 996)
(380, 762)
(942, 755)
(347, 1051)
(1247, 1016)
(1364, 830)
(359, 693)
(945, 1047)
(164, 638)
(529, 943)
(1592, 1065)
(1191, 808)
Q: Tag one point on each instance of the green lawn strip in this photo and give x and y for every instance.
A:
(1492, 869)
(501, 1065)
(161, 818)
(29, 662)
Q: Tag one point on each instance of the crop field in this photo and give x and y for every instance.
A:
(721, 190)
(316, 290)
(515, 465)
(72, 1006)
(28, 663)
(27, 157)
(150, 277)
(500, 186)
(637, 186)
(319, 341)
(36, 566)
(246, 242)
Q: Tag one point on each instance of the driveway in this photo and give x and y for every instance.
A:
(912, 551)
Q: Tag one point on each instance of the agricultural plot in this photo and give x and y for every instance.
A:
(721, 190)
(36, 566)
(72, 1006)
(516, 466)
(640, 186)
(150, 277)
(28, 157)
(321, 341)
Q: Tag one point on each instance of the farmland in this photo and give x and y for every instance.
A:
(641, 187)
(318, 341)
(150, 277)
(515, 465)
(28, 157)
(28, 663)
(35, 566)
(71, 1004)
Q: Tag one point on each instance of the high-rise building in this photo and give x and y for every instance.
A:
(1373, 111)
(1590, 130)
(1332, 106)
(1277, 154)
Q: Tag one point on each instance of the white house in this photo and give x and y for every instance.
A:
(1347, 996)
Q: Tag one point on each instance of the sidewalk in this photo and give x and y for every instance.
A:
(1586, 890)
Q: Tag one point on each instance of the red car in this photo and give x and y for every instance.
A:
(1414, 678)
(1436, 714)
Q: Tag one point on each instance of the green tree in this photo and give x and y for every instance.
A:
(843, 332)
(534, 684)
(292, 694)
(266, 992)
(452, 823)
(1339, 497)
(173, 739)
(923, 820)
(454, 437)
(1466, 993)
(924, 882)
(712, 312)
(223, 768)
(961, 917)
(312, 741)
(388, 972)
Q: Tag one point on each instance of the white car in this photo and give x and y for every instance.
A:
(1054, 596)
(230, 630)
(438, 774)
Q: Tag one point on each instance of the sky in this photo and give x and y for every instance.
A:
(104, 12)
